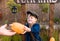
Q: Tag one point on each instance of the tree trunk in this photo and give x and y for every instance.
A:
(23, 17)
(51, 22)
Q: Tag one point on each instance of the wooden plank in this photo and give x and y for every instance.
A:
(23, 17)
(51, 22)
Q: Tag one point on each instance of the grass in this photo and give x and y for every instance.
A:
(44, 35)
(12, 38)
(56, 35)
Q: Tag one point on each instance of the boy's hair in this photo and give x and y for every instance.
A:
(32, 14)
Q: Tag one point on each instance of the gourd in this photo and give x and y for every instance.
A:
(17, 27)
(52, 39)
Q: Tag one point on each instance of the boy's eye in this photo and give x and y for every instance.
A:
(31, 17)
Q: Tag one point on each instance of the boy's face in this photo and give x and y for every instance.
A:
(31, 19)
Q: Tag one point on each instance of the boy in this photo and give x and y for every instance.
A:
(32, 26)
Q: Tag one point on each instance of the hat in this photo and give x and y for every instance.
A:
(32, 14)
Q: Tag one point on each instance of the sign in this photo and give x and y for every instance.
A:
(36, 1)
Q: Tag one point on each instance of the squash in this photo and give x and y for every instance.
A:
(52, 39)
(17, 27)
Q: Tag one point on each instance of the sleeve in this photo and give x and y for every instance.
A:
(27, 25)
(35, 28)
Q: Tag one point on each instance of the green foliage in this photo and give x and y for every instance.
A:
(16, 38)
(6, 21)
(11, 3)
(56, 35)
(11, 38)
(44, 7)
(6, 38)
(43, 27)
(44, 34)
(57, 20)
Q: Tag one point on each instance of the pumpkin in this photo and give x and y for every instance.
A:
(17, 27)
(52, 39)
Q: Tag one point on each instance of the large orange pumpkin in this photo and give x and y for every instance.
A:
(17, 27)
(52, 39)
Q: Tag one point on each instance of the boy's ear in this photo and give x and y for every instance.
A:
(36, 19)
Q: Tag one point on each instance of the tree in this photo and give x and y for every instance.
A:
(51, 22)
(11, 3)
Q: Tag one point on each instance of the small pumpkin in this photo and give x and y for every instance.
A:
(17, 27)
(52, 39)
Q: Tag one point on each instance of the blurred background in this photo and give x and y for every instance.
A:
(11, 12)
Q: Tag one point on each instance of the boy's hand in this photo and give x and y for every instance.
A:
(27, 29)
(4, 31)
(24, 32)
